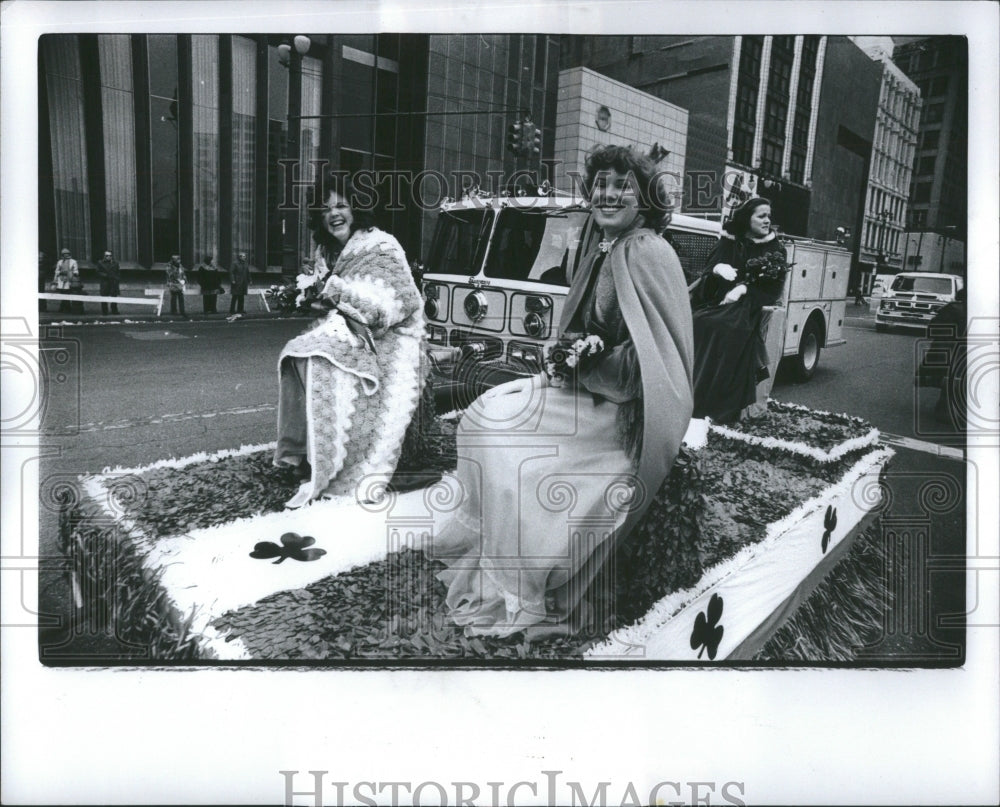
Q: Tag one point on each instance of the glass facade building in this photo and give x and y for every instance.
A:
(206, 144)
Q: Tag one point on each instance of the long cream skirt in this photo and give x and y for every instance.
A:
(545, 485)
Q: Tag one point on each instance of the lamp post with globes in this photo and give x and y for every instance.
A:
(883, 217)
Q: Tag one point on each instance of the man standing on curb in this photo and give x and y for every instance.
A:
(66, 277)
(176, 280)
(239, 279)
(110, 274)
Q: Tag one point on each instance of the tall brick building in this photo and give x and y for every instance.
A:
(938, 206)
(788, 117)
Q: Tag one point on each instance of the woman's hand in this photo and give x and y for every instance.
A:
(734, 294)
(725, 271)
(516, 387)
(325, 303)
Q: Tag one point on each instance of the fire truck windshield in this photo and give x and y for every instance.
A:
(458, 242)
(535, 245)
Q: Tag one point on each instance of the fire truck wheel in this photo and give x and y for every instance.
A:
(809, 349)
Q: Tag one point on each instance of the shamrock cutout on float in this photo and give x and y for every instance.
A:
(294, 546)
(707, 633)
(830, 522)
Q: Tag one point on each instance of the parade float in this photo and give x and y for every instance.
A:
(196, 559)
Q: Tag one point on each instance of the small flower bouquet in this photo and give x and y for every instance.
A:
(769, 267)
(281, 296)
(290, 297)
(567, 354)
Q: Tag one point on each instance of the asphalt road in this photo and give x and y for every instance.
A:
(129, 395)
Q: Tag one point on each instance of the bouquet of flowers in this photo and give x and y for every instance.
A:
(281, 296)
(290, 297)
(562, 358)
(768, 267)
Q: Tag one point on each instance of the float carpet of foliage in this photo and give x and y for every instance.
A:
(822, 430)
(168, 501)
(117, 595)
(716, 500)
(708, 508)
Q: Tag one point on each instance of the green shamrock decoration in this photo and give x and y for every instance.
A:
(294, 546)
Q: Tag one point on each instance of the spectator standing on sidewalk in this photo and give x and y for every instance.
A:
(176, 280)
(239, 280)
(208, 279)
(110, 273)
(67, 276)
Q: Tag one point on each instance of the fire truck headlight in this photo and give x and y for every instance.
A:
(534, 325)
(476, 306)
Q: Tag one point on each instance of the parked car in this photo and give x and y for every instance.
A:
(914, 299)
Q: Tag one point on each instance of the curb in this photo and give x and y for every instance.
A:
(165, 319)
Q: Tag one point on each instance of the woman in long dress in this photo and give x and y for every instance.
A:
(552, 476)
(744, 273)
(350, 385)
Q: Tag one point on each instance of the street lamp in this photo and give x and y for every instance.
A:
(302, 44)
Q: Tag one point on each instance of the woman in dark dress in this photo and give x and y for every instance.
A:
(744, 273)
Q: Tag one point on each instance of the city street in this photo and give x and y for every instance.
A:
(134, 394)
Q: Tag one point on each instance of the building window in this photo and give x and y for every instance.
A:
(205, 128)
(244, 136)
(312, 88)
(803, 108)
(776, 106)
(922, 192)
(64, 84)
(164, 145)
(747, 85)
(925, 165)
(934, 113)
(277, 144)
(119, 146)
(930, 139)
(939, 85)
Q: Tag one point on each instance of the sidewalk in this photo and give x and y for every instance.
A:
(92, 317)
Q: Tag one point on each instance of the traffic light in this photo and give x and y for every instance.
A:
(514, 142)
(535, 144)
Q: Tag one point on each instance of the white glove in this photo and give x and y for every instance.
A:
(725, 271)
(735, 293)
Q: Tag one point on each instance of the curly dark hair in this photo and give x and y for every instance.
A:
(361, 199)
(654, 203)
(739, 224)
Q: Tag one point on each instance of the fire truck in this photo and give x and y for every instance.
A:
(499, 268)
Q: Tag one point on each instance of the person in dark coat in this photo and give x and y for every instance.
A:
(744, 273)
(239, 279)
(211, 285)
(109, 272)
